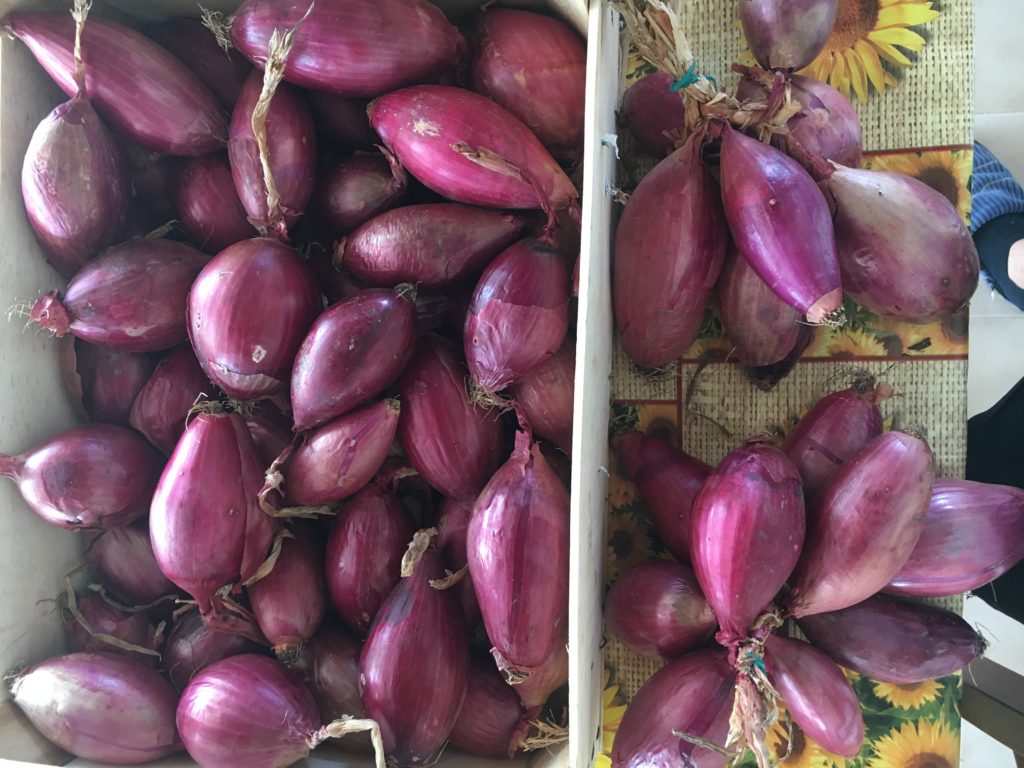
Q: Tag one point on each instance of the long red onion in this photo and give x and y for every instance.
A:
(137, 86)
(103, 382)
(193, 646)
(354, 190)
(207, 204)
(124, 558)
(864, 525)
(162, 405)
(658, 320)
(492, 722)
(100, 706)
(96, 626)
(130, 298)
(452, 531)
(746, 533)
(271, 430)
(94, 476)
(545, 396)
(895, 641)
(826, 124)
(342, 121)
(223, 72)
(247, 347)
(787, 34)
(654, 113)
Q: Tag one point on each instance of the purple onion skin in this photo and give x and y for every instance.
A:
(492, 722)
(438, 131)
(454, 444)
(864, 525)
(100, 706)
(190, 41)
(93, 476)
(354, 190)
(452, 531)
(536, 67)
(205, 524)
(162, 405)
(353, 47)
(894, 640)
(340, 457)
(971, 536)
(903, 247)
(416, 704)
(290, 602)
(682, 696)
(329, 664)
(103, 383)
(73, 185)
(137, 87)
(150, 176)
(746, 533)
(129, 298)
(545, 396)
(270, 429)
(818, 696)
(434, 245)
(232, 712)
(826, 125)
(364, 554)
(193, 646)
(668, 481)
(657, 320)
(657, 610)
(787, 34)
(650, 110)
(353, 351)
(519, 314)
(207, 204)
(781, 223)
(247, 347)
(103, 618)
(342, 121)
(124, 557)
(832, 432)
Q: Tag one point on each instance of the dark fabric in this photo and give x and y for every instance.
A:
(994, 191)
(993, 241)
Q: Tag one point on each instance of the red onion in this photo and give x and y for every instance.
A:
(353, 351)
(518, 551)
(342, 121)
(416, 704)
(864, 525)
(337, 459)
(519, 315)
(971, 536)
(469, 149)
(335, 282)
(247, 347)
(787, 34)
(192, 646)
(137, 86)
(826, 124)
(746, 534)
(352, 47)
(817, 694)
(221, 71)
(290, 601)
(207, 205)
(454, 444)
(270, 429)
(691, 695)
(657, 610)
(903, 247)
(291, 146)
(99, 627)
(434, 245)
(354, 190)
(492, 722)
(162, 405)
(895, 641)
(102, 382)
(658, 320)
(536, 67)
(131, 298)
(452, 531)
(150, 178)
(100, 706)
(73, 185)
(545, 679)
(834, 430)
(561, 465)
(668, 481)
(94, 476)
(781, 223)
(364, 554)
(545, 396)
(205, 525)
(654, 113)
(124, 558)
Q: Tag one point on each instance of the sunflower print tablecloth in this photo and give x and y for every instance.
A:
(907, 67)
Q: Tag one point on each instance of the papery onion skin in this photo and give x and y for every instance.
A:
(971, 536)
(342, 121)
(103, 382)
(746, 533)
(894, 640)
(207, 204)
(492, 722)
(124, 558)
(668, 481)
(93, 476)
(270, 429)
(817, 694)
(223, 72)
(787, 34)
(864, 525)
(138, 87)
(827, 124)
(903, 247)
(161, 407)
(452, 528)
(354, 190)
(657, 320)
(103, 618)
(650, 110)
(193, 645)
(100, 706)
(545, 396)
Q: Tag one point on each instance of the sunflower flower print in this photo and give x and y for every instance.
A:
(917, 744)
(910, 695)
(612, 711)
(946, 171)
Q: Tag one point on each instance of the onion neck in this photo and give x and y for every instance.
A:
(10, 466)
(49, 313)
